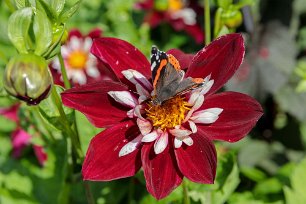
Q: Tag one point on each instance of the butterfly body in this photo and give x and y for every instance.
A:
(168, 78)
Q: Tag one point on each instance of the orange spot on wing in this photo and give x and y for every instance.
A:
(174, 62)
(198, 80)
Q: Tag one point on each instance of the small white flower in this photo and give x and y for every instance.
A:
(78, 60)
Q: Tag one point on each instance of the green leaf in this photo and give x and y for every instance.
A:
(50, 113)
(42, 5)
(6, 125)
(243, 198)
(18, 28)
(253, 173)
(23, 3)
(68, 12)
(20, 3)
(226, 182)
(269, 186)
(24, 181)
(296, 193)
(227, 178)
(57, 5)
(86, 130)
(292, 102)
(176, 196)
(30, 31)
(42, 31)
(223, 31)
(301, 87)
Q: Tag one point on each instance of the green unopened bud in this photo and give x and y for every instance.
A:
(232, 18)
(28, 78)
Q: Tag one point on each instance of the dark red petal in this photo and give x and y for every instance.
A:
(183, 58)
(41, 154)
(196, 32)
(20, 139)
(95, 33)
(102, 161)
(221, 59)
(144, 5)
(120, 55)
(11, 112)
(240, 114)
(93, 101)
(198, 162)
(161, 172)
(75, 33)
(154, 18)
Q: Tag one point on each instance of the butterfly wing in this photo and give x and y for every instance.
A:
(168, 78)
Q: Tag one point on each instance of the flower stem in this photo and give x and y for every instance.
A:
(186, 199)
(89, 196)
(63, 71)
(72, 134)
(207, 22)
(68, 86)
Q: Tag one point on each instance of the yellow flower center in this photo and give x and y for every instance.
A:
(77, 59)
(169, 114)
(175, 5)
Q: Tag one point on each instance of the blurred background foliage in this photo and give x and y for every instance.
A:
(268, 166)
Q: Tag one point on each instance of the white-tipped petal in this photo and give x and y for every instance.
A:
(177, 143)
(142, 98)
(206, 116)
(207, 86)
(130, 146)
(187, 14)
(137, 78)
(130, 113)
(198, 103)
(192, 126)
(138, 110)
(124, 97)
(194, 96)
(87, 44)
(150, 137)
(65, 51)
(75, 43)
(161, 143)
(141, 91)
(188, 141)
(78, 76)
(180, 132)
(93, 72)
(144, 126)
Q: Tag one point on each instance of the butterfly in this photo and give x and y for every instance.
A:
(168, 78)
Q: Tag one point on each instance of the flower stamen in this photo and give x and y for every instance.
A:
(77, 59)
(169, 114)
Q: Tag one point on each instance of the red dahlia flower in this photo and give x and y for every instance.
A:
(171, 139)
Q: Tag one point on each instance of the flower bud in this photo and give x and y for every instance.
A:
(232, 18)
(28, 78)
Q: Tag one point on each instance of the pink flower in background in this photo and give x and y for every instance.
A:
(180, 14)
(81, 66)
(20, 138)
(172, 139)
